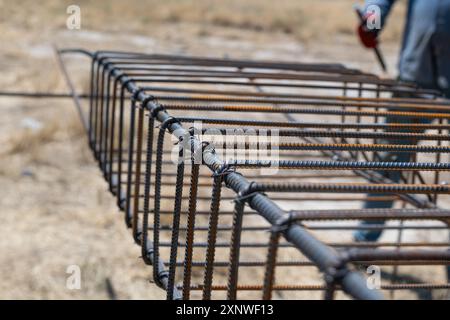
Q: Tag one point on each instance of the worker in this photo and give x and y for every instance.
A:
(424, 61)
(425, 53)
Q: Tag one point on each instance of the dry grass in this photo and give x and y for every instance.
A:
(29, 140)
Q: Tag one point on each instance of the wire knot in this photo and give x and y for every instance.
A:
(154, 111)
(224, 170)
(283, 223)
(147, 100)
(246, 193)
(135, 95)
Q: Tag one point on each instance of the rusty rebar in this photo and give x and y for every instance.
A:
(323, 131)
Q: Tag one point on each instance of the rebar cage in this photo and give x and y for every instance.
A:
(244, 179)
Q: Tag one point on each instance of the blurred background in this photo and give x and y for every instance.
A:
(54, 206)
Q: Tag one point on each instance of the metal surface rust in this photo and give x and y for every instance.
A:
(225, 168)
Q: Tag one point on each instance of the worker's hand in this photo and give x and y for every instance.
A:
(369, 38)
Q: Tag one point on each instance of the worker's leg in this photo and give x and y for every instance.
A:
(442, 56)
(447, 95)
(374, 234)
(394, 176)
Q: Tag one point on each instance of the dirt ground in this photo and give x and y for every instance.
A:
(55, 209)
